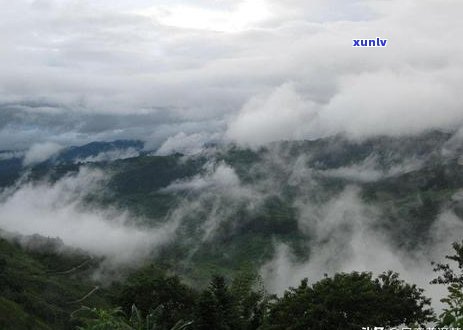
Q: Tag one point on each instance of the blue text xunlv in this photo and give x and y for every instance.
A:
(378, 42)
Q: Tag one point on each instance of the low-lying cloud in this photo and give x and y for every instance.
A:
(11, 154)
(343, 236)
(216, 177)
(282, 115)
(40, 152)
(215, 196)
(111, 155)
(186, 144)
(369, 170)
(56, 210)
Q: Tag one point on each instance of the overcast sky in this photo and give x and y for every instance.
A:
(249, 71)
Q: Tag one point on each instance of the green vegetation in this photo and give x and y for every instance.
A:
(452, 316)
(33, 292)
(33, 297)
(350, 301)
(346, 301)
(409, 201)
(43, 283)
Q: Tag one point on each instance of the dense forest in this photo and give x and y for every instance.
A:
(46, 290)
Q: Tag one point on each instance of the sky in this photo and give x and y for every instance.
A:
(178, 74)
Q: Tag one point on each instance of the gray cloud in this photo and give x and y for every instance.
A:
(72, 72)
(40, 152)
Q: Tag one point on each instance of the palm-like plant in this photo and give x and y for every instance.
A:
(116, 319)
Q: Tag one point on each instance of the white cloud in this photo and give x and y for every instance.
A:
(221, 176)
(106, 156)
(393, 104)
(68, 61)
(369, 170)
(215, 195)
(40, 152)
(11, 154)
(239, 17)
(186, 144)
(56, 210)
(282, 115)
(345, 235)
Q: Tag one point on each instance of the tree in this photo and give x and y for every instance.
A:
(452, 316)
(350, 301)
(240, 305)
(151, 289)
(116, 319)
(206, 313)
(251, 299)
(217, 308)
(101, 319)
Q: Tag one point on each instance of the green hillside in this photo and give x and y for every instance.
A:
(232, 207)
(40, 288)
